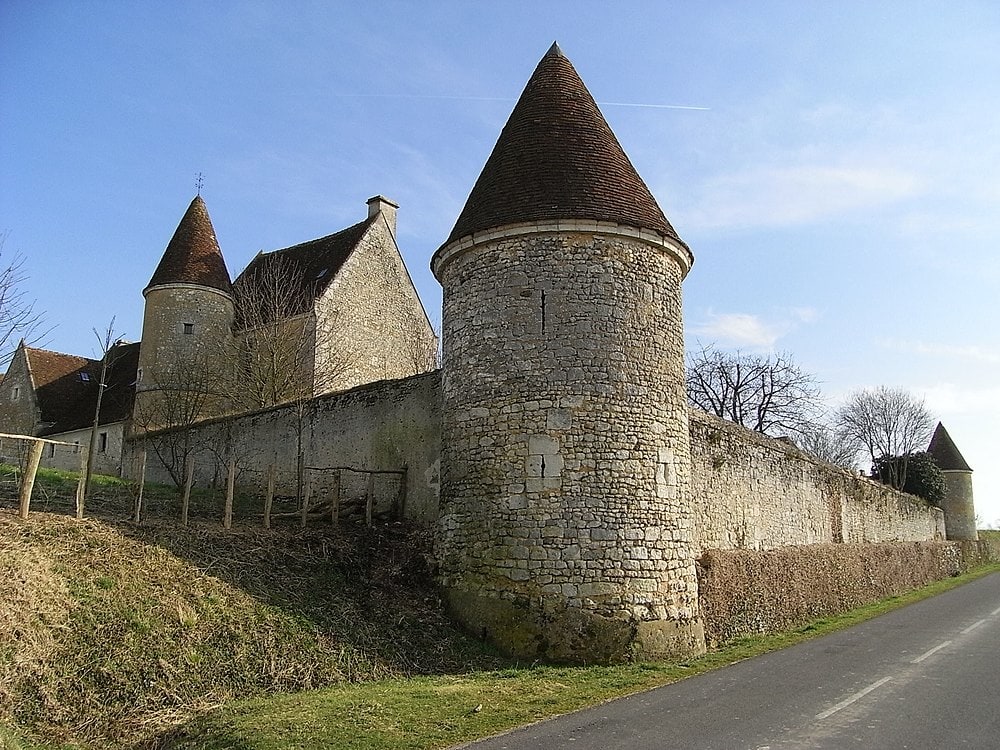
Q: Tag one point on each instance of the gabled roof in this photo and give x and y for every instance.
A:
(945, 453)
(305, 270)
(556, 158)
(66, 387)
(193, 255)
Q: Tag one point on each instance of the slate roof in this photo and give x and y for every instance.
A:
(556, 158)
(311, 266)
(945, 453)
(193, 255)
(66, 387)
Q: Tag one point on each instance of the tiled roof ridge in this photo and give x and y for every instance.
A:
(945, 453)
(557, 158)
(193, 255)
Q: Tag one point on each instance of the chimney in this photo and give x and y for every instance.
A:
(382, 205)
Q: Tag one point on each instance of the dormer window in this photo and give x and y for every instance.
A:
(84, 377)
(189, 328)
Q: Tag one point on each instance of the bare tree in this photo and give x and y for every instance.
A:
(277, 338)
(827, 444)
(18, 318)
(192, 389)
(886, 423)
(274, 361)
(768, 394)
(107, 340)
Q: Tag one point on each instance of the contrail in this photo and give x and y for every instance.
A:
(510, 99)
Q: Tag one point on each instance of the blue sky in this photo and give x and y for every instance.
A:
(839, 185)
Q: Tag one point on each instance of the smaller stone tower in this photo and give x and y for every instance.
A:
(959, 509)
(187, 328)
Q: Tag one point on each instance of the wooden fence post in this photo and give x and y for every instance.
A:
(370, 498)
(28, 479)
(227, 519)
(306, 497)
(186, 499)
(142, 485)
(269, 497)
(335, 499)
(81, 487)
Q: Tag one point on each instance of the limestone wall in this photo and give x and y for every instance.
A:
(564, 465)
(70, 458)
(381, 426)
(370, 324)
(753, 492)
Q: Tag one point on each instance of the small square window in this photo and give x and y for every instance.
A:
(52, 450)
(102, 442)
(76, 446)
(189, 328)
(85, 377)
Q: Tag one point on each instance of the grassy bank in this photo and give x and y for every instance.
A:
(437, 712)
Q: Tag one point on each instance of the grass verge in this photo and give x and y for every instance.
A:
(438, 712)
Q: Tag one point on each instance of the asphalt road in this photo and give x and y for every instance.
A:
(925, 676)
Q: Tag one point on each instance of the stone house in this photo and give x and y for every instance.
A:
(327, 314)
(54, 395)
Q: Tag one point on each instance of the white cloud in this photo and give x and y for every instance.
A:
(792, 195)
(736, 329)
(973, 352)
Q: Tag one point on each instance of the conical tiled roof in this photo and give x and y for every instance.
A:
(945, 453)
(556, 158)
(193, 255)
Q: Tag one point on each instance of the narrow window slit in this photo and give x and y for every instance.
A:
(543, 309)
(543, 457)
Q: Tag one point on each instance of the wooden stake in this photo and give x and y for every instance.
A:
(186, 499)
(227, 519)
(269, 498)
(307, 496)
(142, 485)
(81, 489)
(335, 499)
(28, 480)
(370, 499)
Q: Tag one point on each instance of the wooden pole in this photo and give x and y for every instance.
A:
(227, 519)
(81, 488)
(335, 499)
(401, 496)
(306, 497)
(142, 485)
(28, 480)
(370, 499)
(186, 499)
(269, 497)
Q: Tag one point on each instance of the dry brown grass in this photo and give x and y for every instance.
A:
(110, 633)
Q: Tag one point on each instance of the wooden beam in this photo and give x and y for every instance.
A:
(28, 480)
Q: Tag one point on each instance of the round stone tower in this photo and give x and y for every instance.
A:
(187, 328)
(565, 525)
(958, 506)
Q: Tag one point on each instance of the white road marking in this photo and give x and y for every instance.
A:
(928, 653)
(850, 699)
(973, 626)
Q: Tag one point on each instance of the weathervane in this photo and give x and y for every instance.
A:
(199, 181)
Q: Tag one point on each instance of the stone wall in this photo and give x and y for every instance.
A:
(370, 324)
(71, 457)
(383, 426)
(565, 529)
(753, 492)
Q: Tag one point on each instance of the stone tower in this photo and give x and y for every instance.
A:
(186, 327)
(959, 509)
(565, 526)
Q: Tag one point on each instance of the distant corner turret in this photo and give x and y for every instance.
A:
(187, 324)
(958, 506)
